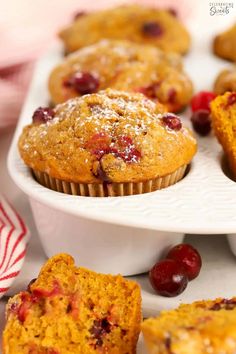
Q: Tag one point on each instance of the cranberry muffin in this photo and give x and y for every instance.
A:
(198, 328)
(225, 81)
(224, 45)
(109, 143)
(126, 66)
(71, 310)
(223, 113)
(136, 23)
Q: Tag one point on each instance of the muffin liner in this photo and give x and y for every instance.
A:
(109, 189)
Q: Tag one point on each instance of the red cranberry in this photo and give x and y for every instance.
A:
(231, 99)
(79, 14)
(43, 115)
(172, 121)
(189, 257)
(202, 101)
(149, 91)
(172, 95)
(168, 278)
(83, 83)
(173, 11)
(201, 122)
(152, 29)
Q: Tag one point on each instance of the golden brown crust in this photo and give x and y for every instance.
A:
(126, 66)
(70, 310)
(112, 133)
(198, 328)
(223, 111)
(126, 22)
(225, 81)
(224, 44)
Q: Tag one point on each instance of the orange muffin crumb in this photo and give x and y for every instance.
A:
(70, 310)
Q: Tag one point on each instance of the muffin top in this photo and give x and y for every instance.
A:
(224, 45)
(126, 66)
(225, 81)
(136, 23)
(110, 136)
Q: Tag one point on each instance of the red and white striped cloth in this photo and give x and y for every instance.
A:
(14, 236)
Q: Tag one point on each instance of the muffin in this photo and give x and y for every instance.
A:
(136, 23)
(223, 112)
(225, 81)
(70, 310)
(126, 66)
(109, 143)
(224, 45)
(198, 328)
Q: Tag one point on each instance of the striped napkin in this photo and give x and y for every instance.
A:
(14, 236)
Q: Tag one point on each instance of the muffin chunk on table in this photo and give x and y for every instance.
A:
(70, 310)
(126, 66)
(136, 23)
(225, 81)
(198, 328)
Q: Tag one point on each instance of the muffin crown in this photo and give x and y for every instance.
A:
(108, 136)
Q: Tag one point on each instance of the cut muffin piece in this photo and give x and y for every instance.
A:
(224, 44)
(70, 310)
(198, 328)
(225, 81)
(223, 112)
(125, 66)
(110, 143)
(136, 23)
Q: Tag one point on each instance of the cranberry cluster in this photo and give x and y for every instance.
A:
(170, 276)
(201, 117)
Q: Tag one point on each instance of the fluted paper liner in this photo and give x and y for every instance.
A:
(109, 189)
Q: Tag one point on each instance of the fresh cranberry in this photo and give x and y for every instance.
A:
(79, 14)
(231, 99)
(189, 257)
(168, 278)
(43, 115)
(152, 29)
(83, 83)
(201, 122)
(202, 100)
(172, 121)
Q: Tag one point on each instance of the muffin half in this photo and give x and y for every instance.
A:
(109, 143)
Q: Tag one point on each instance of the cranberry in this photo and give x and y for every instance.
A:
(79, 14)
(149, 91)
(83, 83)
(43, 115)
(172, 121)
(172, 95)
(152, 29)
(201, 122)
(231, 99)
(189, 257)
(202, 101)
(173, 11)
(168, 278)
